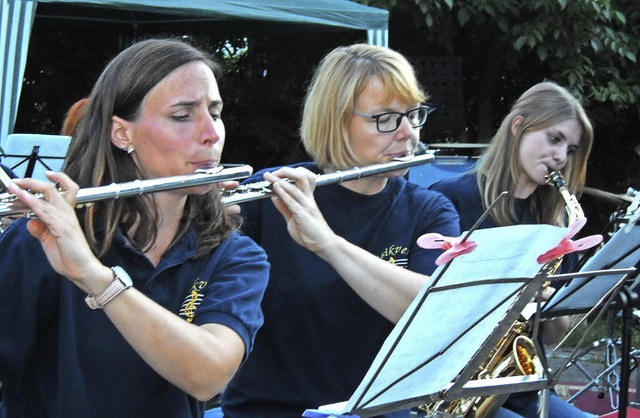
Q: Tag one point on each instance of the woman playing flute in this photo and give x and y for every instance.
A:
(344, 259)
(143, 306)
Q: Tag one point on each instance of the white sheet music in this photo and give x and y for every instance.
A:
(445, 326)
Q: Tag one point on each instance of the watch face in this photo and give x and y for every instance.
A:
(122, 275)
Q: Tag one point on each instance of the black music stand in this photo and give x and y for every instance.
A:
(451, 327)
(30, 155)
(30, 160)
(616, 292)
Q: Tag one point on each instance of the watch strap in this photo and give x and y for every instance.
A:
(117, 286)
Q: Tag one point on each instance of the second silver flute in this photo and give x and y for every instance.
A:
(262, 189)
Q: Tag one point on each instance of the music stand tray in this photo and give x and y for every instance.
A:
(451, 327)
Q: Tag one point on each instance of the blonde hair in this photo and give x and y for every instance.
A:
(341, 77)
(540, 107)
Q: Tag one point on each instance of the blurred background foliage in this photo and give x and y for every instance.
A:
(504, 47)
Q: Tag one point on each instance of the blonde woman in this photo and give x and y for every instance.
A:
(344, 259)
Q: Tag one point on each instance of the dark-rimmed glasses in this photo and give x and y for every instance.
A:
(390, 121)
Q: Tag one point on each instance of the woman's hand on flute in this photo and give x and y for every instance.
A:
(296, 203)
(57, 227)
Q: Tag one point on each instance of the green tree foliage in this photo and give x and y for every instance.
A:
(590, 46)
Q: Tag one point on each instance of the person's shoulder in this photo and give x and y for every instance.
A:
(456, 187)
(240, 253)
(462, 181)
(425, 197)
(414, 189)
(240, 242)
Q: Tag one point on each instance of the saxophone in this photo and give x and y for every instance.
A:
(515, 354)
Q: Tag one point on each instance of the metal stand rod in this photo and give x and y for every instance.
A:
(627, 299)
(32, 161)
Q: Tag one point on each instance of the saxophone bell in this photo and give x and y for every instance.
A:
(521, 360)
(514, 355)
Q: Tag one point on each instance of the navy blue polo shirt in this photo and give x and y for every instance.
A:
(58, 358)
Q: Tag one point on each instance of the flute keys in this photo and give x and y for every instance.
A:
(7, 198)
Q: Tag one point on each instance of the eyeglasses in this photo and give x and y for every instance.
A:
(390, 121)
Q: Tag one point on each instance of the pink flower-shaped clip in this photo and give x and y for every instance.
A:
(452, 246)
(567, 246)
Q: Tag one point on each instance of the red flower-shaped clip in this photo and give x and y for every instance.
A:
(452, 246)
(567, 246)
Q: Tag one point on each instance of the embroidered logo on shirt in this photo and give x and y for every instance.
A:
(396, 254)
(192, 301)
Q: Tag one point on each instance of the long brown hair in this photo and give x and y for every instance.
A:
(543, 105)
(92, 159)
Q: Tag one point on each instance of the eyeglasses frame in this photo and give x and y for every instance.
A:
(430, 109)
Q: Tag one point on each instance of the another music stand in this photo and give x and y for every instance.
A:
(30, 155)
(582, 294)
(454, 323)
(619, 291)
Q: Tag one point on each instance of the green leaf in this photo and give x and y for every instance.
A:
(620, 17)
(520, 43)
(631, 56)
(542, 52)
(561, 52)
(463, 16)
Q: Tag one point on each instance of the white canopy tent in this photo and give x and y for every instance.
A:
(17, 17)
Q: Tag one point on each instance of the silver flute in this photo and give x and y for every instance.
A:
(262, 189)
(11, 206)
